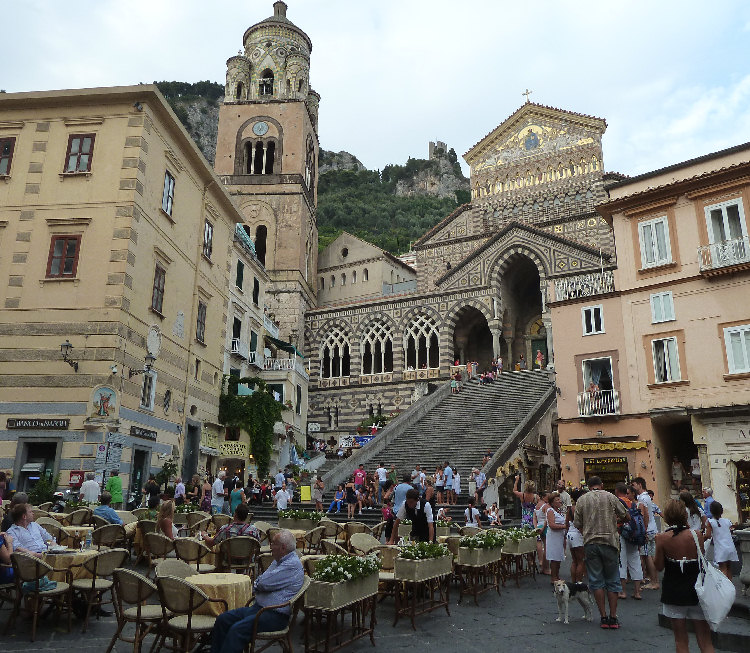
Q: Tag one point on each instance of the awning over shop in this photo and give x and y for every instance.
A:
(286, 346)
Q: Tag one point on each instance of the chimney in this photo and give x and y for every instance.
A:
(279, 9)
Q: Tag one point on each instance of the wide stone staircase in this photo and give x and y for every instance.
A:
(458, 428)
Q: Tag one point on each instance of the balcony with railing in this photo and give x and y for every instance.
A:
(284, 365)
(598, 403)
(725, 256)
(240, 348)
(584, 285)
(272, 329)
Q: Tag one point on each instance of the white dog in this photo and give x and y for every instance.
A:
(564, 591)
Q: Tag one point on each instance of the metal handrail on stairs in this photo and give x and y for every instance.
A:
(386, 435)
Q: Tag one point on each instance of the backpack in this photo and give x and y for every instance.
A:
(634, 530)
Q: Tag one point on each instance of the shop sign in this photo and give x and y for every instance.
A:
(76, 479)
(233, 449)
(139, 432)
(603, 446)
(37, 423)
(605, 461)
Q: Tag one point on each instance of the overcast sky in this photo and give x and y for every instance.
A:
(672, 79)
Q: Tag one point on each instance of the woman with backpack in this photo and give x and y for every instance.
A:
(630, 557)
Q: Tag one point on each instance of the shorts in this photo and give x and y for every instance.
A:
(630, 561)
(603, 567)
(575, 540)
(649, 548)
(683, 611)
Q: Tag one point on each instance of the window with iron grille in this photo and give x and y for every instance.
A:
(208, 239)
(167, 198)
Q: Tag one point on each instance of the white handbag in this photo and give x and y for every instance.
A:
(716, 593)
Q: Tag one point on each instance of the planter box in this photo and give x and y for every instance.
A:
(442, 531)
(417, 570)
(404, 530)
(297, 524)
(521, 547)
(333, 596)
(478, 557)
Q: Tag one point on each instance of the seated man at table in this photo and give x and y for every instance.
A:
(105, 510)
(239, 526)
(28, 536)
(278, 584)
(18, 498)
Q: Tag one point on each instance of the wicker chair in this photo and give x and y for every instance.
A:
(174, 567)
(52, 526)
(378, 529)
(331, 548)
(139, 512)
(193, 551)
(264, 561)
(92, 590)
(220, 520)
(110, 536)
(98, 521)
(239, 554)
(194, 517)
(282, 637)
(145, 526)
(313, 539)
(38, 513)
(386, 578)
(157, 547)
(333, 529)
(309, 563)
(362, 543)
(133, 589)
(469, 530)
(262, 526)
(46, 506)
(180, 602)
(30, 569)
(200, 525)
(355, 527)
(79, 517)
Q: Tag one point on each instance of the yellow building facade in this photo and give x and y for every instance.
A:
(116, 239)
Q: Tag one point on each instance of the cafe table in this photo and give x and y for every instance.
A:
(78, 533)
(235, 589)
(65, 560)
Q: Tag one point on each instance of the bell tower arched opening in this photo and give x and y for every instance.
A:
(522, 310)
(472, 339)
(261, 236)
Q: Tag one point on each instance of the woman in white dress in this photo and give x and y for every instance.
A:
(456, 484)
(556, 529)
(720, 529)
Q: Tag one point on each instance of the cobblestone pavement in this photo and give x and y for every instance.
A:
(519, 620)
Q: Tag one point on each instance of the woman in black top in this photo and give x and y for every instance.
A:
(677, 556)
(151, 488)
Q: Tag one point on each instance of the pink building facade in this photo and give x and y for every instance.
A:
(653, 357)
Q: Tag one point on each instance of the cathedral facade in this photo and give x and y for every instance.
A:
(374, 331)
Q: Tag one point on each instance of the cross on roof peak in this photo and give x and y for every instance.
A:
(527, 93)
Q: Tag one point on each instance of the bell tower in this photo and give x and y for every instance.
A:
(267, 154)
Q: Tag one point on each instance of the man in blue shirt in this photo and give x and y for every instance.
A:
(708, 499)
(448, 471)
(279, 583)
(28, 536)
(399, 492)
(105, 510)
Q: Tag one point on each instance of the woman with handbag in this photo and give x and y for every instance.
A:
(677, 555)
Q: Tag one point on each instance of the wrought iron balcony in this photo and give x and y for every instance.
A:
(239, 348)
(285, 364)
(584, 285)
(598, 403)
(724, 254)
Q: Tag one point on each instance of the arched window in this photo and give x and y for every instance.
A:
(310, 163)
(334, 355)
(594, 163)
(343, 278)
(377, 349)
(421, 343)
(258, 159)
(261, 235)
(333, 280)
(238, 92)
(249, 157)
(288, 87)
(270, 154)
(572, 168)
(354, 276)
(365, 275)
(300, 85)
(265, 86)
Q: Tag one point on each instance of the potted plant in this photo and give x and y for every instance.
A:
(442, 528)
(404, 528)
(342, 580)
(301, 520)
(519, 541)
(481, 549)
(418, 561)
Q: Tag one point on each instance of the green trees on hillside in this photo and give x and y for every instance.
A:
(364, 204)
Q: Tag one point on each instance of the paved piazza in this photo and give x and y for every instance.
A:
(521, 619)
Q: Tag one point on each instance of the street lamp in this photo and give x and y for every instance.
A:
(65, 351)
(150, 360)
